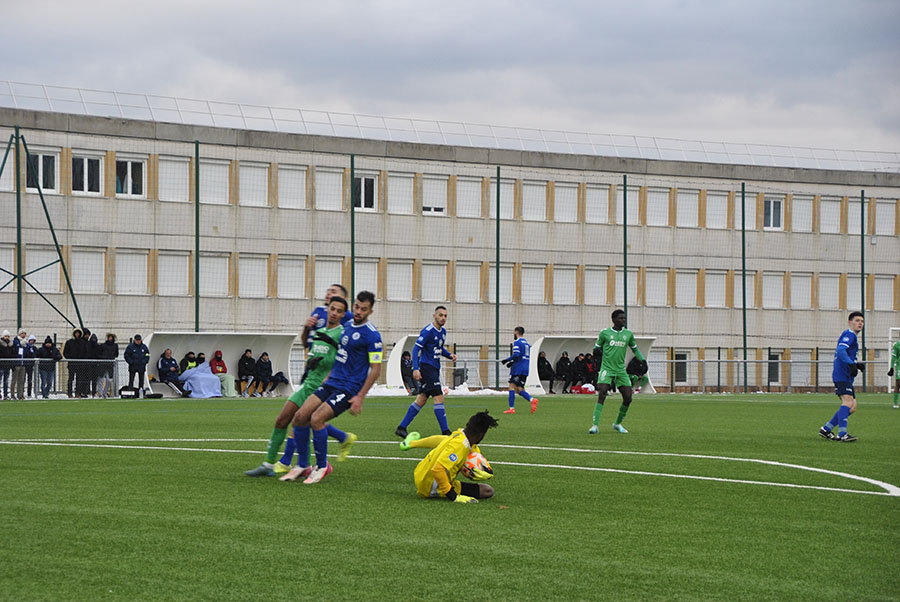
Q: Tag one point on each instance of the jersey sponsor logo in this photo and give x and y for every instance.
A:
(453, 457)
(355, 336)
(614, 343)
(846, 338)
(345, 339)
(377, 344)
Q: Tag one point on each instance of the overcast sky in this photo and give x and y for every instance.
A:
(793, 72)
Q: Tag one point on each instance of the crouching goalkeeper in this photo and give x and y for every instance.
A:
(435, 475)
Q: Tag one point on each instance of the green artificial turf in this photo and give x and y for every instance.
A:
(111, 521)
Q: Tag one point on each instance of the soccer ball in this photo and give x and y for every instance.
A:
(475, 461)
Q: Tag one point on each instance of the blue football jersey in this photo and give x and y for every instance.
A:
(321, 315)
(430, 347)
(360, 346)
(844, 357)
(521, 357)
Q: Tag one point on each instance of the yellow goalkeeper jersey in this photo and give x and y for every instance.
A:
(448, 458)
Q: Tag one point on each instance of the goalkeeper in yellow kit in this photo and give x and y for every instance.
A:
(435, 475)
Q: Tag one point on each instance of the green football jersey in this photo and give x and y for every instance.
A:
(325, 351)
(614, 344)
(895, 356)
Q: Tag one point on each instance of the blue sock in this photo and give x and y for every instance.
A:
(335, 433)
(320, 444)
(844, 414)
(441, 416)
(289, 446)
(301, 434)
(525, 395)
(843, 411)
(411, 413)
(512, 398)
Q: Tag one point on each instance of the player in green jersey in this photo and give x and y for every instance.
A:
(320, 359)
(609, 353)
(895, 371)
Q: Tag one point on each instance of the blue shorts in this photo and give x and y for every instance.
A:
(337, 399)
(517, 379)
(844, 389)
(431, 381)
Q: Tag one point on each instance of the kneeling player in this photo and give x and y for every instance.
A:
(435, 475)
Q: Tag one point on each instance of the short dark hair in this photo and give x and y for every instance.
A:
(520, 330)
(364, 296)
(405, 353)
(617, 312)
(341, 286)
(480, 423)
(440, 307)
(339, 300)
(856, 313)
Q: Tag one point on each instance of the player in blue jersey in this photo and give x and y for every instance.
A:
(356, 368)
(518, 364)
(426, 364)
(845, 370)
(319, 316)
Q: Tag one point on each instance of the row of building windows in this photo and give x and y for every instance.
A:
(251, 184)
(171, 273)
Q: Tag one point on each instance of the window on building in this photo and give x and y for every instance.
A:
(253, 184)
(749, 279)
(329, 186)
(434, 195)
(534, 201)
(595, 285)
(253, 276)
(596, 203)
(660, 368)
(686, 288)
(45, 280)
(507, 198)
(716, 210)
(366, 276)
(801, 291)
(213, 275)
(328, 272)
(632, 287)
(853, 216)
(131, 272)
(468, 280)
(681, 367)
(130, 177)
(565, 202)
(506, 279)
(884, 218)
(772, 208)
(564, 284)
(7, 176)
(468, 197)
(173, 273)
(41, 170)
(884, 293)
(434, 281)
(829, 291)
(87, 176)
(214, 182)
(854, 290)
(802, 213)
(88, 270)
(364, 192)
(399, 280)
(634, 197)
(400, 193)
(686, 211)
(657, 206)
(533, 284)
(714, 290)
(656, 288)
(7, 267)
(801, 368)
(774, 368)
(773, 290)
(174, 179)
(292, 186)
(292, 277)
(830, 215)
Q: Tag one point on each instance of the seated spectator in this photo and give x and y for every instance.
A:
(200, 383)
(48, 355)
(217, 366)
(545, 370)
(577, 373)
(187, 362)
(201, 358)
(563, 366)
(406, 372)
(167, 370)
(264, 376)
(246, 372)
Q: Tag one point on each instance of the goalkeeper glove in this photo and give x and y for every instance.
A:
(465, 499)
(314, 362)
(480, 475)
(860, 366)
(891, 372)
(644, 367)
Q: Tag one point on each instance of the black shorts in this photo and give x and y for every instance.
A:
(431, 381)
(517, 379)
(337, 399)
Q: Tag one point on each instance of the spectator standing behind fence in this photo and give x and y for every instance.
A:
(74, 350)
(136, 356)
(107, 352)
(263, 375)
(187, 362)
(30, 355)
(47, 355)
(246, 372)
(563, 367)
(93, 368)
(7, 355)
(18, 386)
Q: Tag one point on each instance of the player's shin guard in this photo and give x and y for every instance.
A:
(275, 441)
(320, 444)
(301, 440)
(411, 413)
(335, 433)
(441, 415)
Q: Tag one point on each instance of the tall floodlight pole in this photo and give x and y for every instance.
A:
(497, 289)
(19, 266)
(196, 236)
(625, 244)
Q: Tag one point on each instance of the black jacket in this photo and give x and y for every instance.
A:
(47, 356)
(545, 370)
(563, 367)
(263, 369)
(108, 350)
(246, 367)
(77, 349)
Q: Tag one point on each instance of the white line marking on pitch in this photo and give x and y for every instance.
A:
(889, 490)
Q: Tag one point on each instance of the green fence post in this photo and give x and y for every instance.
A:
(497, 291)
(196, 236)
(862, 273)
(744, 273)
(19, 266)
(625, 249)
(353, 227)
